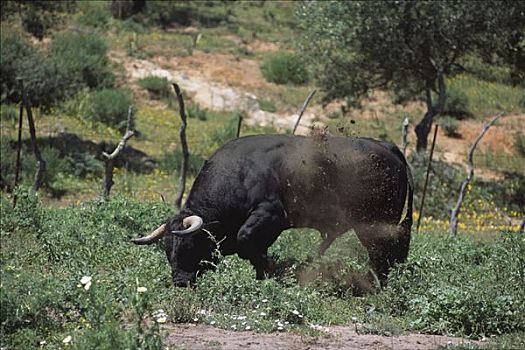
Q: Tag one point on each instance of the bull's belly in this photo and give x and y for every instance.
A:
(332, 218)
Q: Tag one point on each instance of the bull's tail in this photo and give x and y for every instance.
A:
(406, 223)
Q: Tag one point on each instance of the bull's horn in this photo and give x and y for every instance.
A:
(152, 237)
(194, 222)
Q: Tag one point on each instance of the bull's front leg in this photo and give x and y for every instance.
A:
(259, 231)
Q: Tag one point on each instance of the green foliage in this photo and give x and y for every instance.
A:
(9, 114)
(285, 68)
(45, 253)
(519, 144)
(358, 46)
(38, 17)
(108, 106)
(83, 56)
(157, 87)
(456, 104)
(450, 125)
(267, 105)
(14, 48)
(93, 14)
(460, 286)
(194, 111)
(74, 62)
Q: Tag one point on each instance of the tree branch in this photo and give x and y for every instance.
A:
(470, 175)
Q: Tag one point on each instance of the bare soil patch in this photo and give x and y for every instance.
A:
(201, 337)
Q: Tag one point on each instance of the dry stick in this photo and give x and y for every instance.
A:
(305, 104)
(404, 130)
(470, 175)
(426, 179)
(18, 147)
(110, 158)
(184, 144)
(40, 162)
(239, 123)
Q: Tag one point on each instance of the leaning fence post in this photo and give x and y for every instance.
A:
(305, 104)
(426, 179)
(184, 144)
(470, 175)
(40, 162)
(239, 123)
(404, 131)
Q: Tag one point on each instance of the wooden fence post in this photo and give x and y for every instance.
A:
(184, 144)
(426, 179)
(109, 158)
(470, 175)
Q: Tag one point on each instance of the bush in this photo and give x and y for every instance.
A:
(14, 49)
(450, 125)
(195, 111)
(157, 87)
(267, 105)
(460, 286)
(456, 104)
(519, 144)
(285, 68)
(74, 62)
(83, 56)
(108, 106)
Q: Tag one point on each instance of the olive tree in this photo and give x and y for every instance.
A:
(409, 47)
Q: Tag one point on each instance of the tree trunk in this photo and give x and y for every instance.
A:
(425, 125)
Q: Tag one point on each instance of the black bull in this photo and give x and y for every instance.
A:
(253, 188)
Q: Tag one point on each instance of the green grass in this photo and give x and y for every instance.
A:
(464, 287)
(486, 98)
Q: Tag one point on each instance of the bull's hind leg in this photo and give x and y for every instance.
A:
(259, 231)
(386, 244)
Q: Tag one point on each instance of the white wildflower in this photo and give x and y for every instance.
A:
(142, 290)
(264, 300)
(247, 328)
(295, 312)
(67, 339)
(85, 280)
(162, 319)
(263, 314)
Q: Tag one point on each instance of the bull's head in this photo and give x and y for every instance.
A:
(186, 245)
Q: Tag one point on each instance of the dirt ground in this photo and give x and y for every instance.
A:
(202, 337)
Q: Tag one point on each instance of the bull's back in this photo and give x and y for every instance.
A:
(318, 179)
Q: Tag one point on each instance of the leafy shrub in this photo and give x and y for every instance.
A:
(456, 104)
(9, 113)
(83, 56)
(519, 144)
(74, 62)
(285, 68)
(450, 125)
(194, 111)
(14, 48)
(460, 286)
(157, 87)
(108, 106)
(267, 105)
(93, 14)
